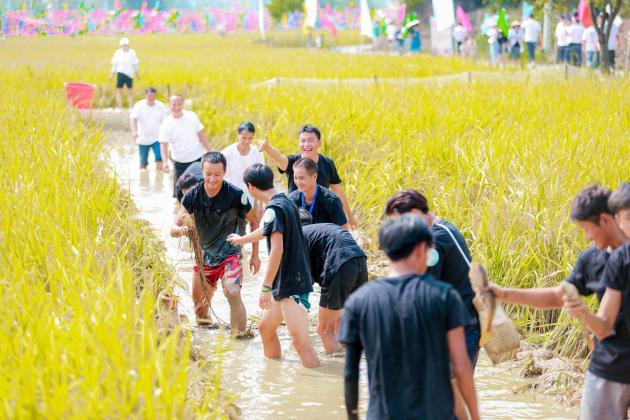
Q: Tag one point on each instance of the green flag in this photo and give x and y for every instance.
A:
(502, 22)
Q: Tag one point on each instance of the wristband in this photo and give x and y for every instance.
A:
(265, 289)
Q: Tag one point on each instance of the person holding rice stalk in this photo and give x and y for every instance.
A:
(219, 209)
(607, 386)
(327, 176)
(124, 68)
(287, 281)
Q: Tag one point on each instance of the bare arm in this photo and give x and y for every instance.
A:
(275, 154)
(204, 140)
(134, 128)
(338, 189)
(462, 369)
(254, 236)
(601, 324)
(543, 298)
(351, 379)
(253, 222)
(179, 229)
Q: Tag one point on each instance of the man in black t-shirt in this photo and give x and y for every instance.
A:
(449, 260)
(287, 282)
(219, 209)
(339, 266)
(327, 176)
(607, 384)
(323, 205)
(590, 211)
(410, 327)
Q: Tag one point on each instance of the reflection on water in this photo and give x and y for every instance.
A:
(268, 389)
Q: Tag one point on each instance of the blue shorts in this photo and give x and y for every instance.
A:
(144, 153)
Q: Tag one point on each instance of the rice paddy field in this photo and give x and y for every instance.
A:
(500, 156)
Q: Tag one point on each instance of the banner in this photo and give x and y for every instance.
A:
(366, 20)
(443, 14)
(311, 13)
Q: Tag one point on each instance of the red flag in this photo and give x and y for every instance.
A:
(584, 13)
(462, 17)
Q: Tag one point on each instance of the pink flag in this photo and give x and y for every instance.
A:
(117, 5)
(462, 17)
(584, 13)
(400, 17)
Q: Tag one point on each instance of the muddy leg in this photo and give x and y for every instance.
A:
(328, 320)
(130, 98)
(238, 315)
(269, 323)
(460, 407)
(202, 304)
(296, 319)
(119, 92)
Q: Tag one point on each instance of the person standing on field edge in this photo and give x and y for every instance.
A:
(411, 328)
(146, 117)
(183, 130)
(125, 68)
(531, 31)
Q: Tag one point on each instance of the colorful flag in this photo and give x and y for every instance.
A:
(463, 18)
(502, 22)
(584, 13)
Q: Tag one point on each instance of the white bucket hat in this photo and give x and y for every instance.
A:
(123, 41)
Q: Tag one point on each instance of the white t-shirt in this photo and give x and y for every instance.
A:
(125, 62)
(237, 163)
(612, 41)
(531, 28)
(575, 33)
(562, 37)
(149, 120)
(182, 134)
(459, 33)
(590, 39)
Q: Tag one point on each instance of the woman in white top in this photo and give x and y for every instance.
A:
(124, 67)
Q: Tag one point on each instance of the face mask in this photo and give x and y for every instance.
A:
(433, 258)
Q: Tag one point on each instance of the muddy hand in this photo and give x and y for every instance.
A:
(235, 239)
(575, 307)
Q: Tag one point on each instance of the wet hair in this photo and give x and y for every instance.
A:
(620, 198)
(187, 181)
(150, 89)
(590, 203)
(398, 237)
(259, 176)
(405, 201)
(307, 164)
(308, 128)
(305, 217)
(214, 157)
(246, 126)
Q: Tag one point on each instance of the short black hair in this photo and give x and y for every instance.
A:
(246, 126)
(405, 201)
(308, 128)
(309, 165)
(590, 203)
(150, 89)
(187, 181)
(620, 198)
(399, 236)
(214, 157)
(259, 176)
(305, 217)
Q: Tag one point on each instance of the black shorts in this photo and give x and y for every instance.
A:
(123, 80)
(351, 275)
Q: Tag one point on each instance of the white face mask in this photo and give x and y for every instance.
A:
(433, 258)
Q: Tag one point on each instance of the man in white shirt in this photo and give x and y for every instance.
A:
(612, 40)
(183, 130)
(575, 41)
(124, 67)
(590, 42)
(146, 117)
(562, 41)
(240, 156)
(531, 30)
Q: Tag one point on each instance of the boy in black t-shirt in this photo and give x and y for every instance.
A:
(607, 384)
(339, 265)
(591, 212)
(287, 282)
(410, 327)
(219, 209)
(327, 176)
(323, 205)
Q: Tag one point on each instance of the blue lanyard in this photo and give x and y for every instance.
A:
(312, 206)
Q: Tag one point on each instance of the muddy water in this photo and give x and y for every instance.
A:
(269, 389)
